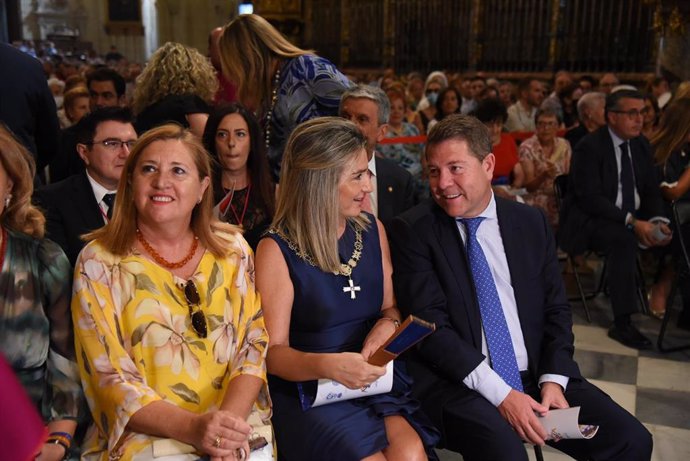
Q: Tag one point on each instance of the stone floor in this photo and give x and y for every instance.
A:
(654, 386)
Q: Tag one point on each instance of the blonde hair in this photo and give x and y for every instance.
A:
(673, 131)
(118, 235)
(18, 163)
(317, 153)
(247, 47)
(174, 69)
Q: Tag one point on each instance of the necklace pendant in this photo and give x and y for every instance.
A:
(351, 288)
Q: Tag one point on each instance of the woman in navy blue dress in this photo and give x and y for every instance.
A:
(324, 275)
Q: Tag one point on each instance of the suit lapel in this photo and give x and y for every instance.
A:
(86, 204)
(454, 251)
(610, 166)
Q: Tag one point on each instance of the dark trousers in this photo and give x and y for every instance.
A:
(620, 246)
(473, 427)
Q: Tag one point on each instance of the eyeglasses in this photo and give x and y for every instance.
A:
(114, 144)
(632, 113)
(191, 294)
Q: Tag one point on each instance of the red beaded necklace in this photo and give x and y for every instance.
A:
(161, 260)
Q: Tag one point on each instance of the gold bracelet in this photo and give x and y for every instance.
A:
(396, 322)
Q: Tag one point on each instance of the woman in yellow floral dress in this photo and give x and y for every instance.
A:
(168, 326)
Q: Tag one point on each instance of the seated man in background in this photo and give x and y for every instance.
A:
(613, 198)
(521, 114)
(485, 271)
(84, 202)
(393, 191)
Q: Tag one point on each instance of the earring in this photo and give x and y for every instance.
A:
(8, 199)
(198, 201)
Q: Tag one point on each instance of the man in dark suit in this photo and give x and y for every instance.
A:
(485, 271)
(84, 202)
(613, 194)
(27, 106)
(369, 108)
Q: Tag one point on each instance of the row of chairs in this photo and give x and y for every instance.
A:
(680, 219)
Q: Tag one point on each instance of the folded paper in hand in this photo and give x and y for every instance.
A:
(563, 424)
(330, 391)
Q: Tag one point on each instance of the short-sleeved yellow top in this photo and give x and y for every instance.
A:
(135, 343)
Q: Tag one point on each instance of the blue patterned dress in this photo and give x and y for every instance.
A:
(325, 319)
(309, 87)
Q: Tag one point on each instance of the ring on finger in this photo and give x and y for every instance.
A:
(218, 441)
(241, 454)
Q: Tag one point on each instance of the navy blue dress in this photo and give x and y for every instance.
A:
(325, 319)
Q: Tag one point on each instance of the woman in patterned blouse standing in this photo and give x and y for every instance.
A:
(284, 85)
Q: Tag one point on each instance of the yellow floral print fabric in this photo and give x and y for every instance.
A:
(135, 343)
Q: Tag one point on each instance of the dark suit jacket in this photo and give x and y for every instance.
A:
(71, 210)
(27, 106)
(432, 281)
(67, 161)
(593, 187)
(394, 188)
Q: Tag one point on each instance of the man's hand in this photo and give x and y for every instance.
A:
(518, 409)
(645, 230)
(552, 396)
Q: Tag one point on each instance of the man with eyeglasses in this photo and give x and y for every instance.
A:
(85, 201)
(614, 205)
(106, 89)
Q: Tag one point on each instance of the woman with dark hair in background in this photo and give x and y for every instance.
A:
(243, 190)
(448, 102)
(651, 114)
(493, 114)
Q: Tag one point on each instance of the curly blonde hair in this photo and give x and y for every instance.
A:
(174, 69)
(20, 215)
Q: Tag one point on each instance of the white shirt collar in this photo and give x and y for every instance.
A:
(372, 164)
(98, 190)
(617, 141)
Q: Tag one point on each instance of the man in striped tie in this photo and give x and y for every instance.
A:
(485, 271)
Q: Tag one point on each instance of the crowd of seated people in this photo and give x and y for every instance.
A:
(164, 179)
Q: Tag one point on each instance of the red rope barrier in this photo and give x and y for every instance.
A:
(518, 136)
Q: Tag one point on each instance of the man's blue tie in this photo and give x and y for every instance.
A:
(501, 350)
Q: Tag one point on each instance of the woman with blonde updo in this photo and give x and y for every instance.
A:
(177, 85)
